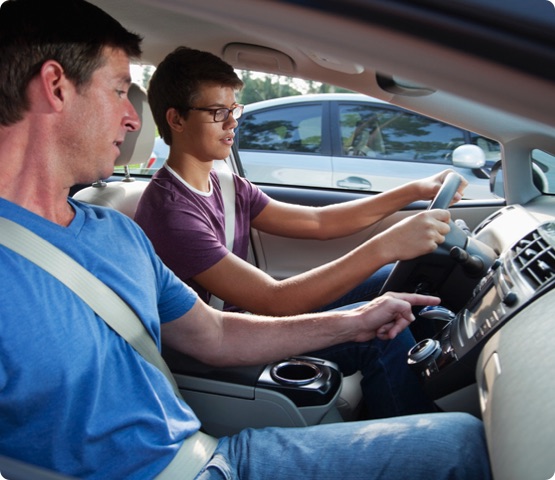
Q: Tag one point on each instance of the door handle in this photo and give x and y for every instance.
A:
(355, 183)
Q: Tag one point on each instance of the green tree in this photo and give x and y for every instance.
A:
(260, 86)
(264, 87)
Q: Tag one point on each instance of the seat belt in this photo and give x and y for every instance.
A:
(227, 185)
(196, 450)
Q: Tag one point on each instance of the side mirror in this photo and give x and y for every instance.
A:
(469, 156)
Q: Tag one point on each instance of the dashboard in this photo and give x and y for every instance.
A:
(522, 273)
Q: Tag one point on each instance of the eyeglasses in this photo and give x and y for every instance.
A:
(222, 114)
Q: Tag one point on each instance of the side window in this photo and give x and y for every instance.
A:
(290, 129)
(491, 148)
(391, 134)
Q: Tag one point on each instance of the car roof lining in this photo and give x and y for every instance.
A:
(389, 52)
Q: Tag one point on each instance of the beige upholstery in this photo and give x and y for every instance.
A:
(349, 402)
(124, 195)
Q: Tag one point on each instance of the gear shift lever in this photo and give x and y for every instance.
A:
(437, 312)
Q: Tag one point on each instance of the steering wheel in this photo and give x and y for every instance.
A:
(427, 273)
(443, 197)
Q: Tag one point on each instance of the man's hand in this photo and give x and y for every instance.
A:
(388, 315)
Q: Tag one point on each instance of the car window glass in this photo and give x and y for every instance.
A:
(491, 148)
(396, 135)
(290, 129)
(343, 143)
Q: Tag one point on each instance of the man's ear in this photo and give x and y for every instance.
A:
(55, 84)
(175, 120)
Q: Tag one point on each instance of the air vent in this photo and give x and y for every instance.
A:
(535, 258)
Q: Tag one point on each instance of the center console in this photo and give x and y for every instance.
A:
(447, 362)
(294, 392)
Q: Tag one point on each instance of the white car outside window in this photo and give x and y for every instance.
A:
(352, 141)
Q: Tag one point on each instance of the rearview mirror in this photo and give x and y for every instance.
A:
(469, 156)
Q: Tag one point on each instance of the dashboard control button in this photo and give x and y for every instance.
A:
(510, 299)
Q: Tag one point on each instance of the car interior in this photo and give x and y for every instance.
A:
(479, 65)
(271, 390)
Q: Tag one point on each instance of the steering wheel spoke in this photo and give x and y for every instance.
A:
(426, 273)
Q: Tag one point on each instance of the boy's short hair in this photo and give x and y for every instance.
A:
(177, 81)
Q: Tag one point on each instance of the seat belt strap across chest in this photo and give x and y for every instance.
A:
(227, 186)
(96, 294)
(196, 450)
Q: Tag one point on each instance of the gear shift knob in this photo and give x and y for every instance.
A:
(437, 312)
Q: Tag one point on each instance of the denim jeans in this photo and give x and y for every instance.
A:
(366, 291)
(420, 447)
(389, 387)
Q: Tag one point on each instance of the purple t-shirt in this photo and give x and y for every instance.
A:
(187, 226)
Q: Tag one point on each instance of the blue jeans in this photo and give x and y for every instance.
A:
(434, 446)
(389, 387)
(365, 292)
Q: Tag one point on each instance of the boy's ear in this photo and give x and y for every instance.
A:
(174, 119)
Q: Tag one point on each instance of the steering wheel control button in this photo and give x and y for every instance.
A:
(496, 264)
(472, 264)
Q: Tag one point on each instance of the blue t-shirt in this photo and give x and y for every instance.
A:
(187, 227)
(74, 396)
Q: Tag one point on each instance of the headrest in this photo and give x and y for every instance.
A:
(138, 145)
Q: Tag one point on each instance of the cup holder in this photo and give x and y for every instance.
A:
(295, 372)
(306, 381)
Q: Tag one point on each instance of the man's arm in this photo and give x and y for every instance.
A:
(232, 339)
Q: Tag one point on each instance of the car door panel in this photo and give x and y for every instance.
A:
(283, 257)
(383, 175)
(284, 169)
